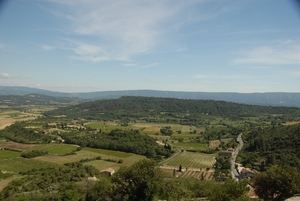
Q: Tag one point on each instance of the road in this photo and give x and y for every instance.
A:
(234, 172)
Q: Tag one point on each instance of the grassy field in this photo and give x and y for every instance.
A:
(83, 154)
(192, 160)
(5, 154)
(90, 153)
(17, 165)
(17, 146)
(101, 164)
(109, 152)
(149, 128)
(57, 149)
(190, 145)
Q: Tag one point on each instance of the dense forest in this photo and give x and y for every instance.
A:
(18, 133)
(276, 145)
(161, 109)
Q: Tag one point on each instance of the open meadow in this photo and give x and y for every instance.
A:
(109, 158)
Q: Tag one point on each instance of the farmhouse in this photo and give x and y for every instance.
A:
(226, 153)
(246, 173)
(108, 171)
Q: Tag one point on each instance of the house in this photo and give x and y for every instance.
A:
(94, 178)
(108, 171)
(246, 173)
(226, 153)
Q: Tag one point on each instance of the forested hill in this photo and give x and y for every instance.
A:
(268, 98)
(37, 99)
(149, 106)
(277, 145)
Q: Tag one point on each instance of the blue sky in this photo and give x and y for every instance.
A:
(191, 45)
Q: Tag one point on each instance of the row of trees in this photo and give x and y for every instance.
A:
(130, 141)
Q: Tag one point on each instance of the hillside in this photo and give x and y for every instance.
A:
(37, 99)
(277, 145)
(165, 108)
(271, 98)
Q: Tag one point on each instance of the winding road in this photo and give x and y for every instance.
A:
(234, 172)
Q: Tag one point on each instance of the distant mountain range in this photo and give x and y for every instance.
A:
(269, 98)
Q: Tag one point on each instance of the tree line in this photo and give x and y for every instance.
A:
(130, 141)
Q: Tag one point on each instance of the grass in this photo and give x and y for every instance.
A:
(5, 154)
(149, 128)
(90, 153)
(17, 165)
(184, 136)
(192, 160)
(83, 154)
(109, 152)
(58, 149)
(191, 145)
(101, 164)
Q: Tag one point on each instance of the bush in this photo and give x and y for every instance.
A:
(33, 153)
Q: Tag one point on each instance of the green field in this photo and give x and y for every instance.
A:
(191, 145)
(192, 160)
(17, 165)
(58, 149)
(83, 154)
(5, 154)
(149, 128)
(109, 152)
(90, 153)
(102, 164)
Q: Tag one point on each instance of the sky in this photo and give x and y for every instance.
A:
(241, 46)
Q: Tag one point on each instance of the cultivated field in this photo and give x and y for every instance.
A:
(90, 153)
(16, 165)
(197, 174)
(191, 146)
(192, 160)
(214, 143)
(58, 149)
(18, 146)
(149, 128)
(5, 154)
(9, 117)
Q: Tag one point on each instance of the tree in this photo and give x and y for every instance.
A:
(229, 191)
(101, 190)
(71, 192)
(277, 183)
(139, 182)
(174, 190)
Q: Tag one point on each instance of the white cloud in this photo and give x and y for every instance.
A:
(297, 74)
(284, 54)
(47, 47)
(123, 29)
(5, 76)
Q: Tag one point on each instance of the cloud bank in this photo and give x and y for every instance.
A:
(122, 29)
